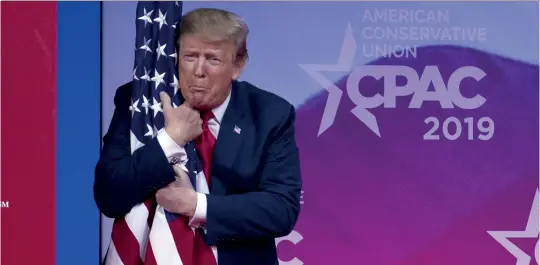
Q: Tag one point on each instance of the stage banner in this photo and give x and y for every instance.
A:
(417, 124)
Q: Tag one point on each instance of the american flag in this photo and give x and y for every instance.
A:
(149, 234)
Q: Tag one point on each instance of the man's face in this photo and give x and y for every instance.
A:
(206, 70)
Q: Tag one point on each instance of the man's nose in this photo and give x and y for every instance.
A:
(199, 68)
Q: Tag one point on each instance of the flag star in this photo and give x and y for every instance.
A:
(133, 108)
(146, 17)
(174, 84)
(134, 142)
(156, 131)
(162, 19)
(150, 130)
(145, 104)
(135, 73)
(156, 107)
(174, 105)
(175, 57)
(160, 50)
(145, 47)
(145, 76)
(158, 78)
(176, 3)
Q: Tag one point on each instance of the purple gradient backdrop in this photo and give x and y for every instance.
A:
(395, 200)
(402, 200)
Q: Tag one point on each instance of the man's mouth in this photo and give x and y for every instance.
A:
(198, 88)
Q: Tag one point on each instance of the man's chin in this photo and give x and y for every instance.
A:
(197, 103)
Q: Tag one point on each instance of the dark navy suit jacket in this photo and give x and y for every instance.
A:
(255, 175)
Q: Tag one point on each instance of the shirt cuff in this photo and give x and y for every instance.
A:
(172, 150)
(199, 218)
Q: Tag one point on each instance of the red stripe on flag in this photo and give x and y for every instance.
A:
(150, 259)
(151, 206)
(125, 243)
(203, 253)
(183, 237)
(28, 121)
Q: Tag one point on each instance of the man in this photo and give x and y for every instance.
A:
(255, 179)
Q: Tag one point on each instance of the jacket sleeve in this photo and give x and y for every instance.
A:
(122, 179)
(271, 211)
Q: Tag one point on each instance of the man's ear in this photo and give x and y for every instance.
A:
(238, 68)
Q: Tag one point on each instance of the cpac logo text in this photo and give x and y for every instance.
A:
(447, 94)
(295, 238)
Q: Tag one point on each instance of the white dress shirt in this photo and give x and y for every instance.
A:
(173, 150)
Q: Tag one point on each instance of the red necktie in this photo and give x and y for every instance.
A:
(205, 146)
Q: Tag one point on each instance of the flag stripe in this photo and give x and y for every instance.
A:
(126, 242)
(183, 238)
(138, 229)
(151, 206)
(114, 258)
(150, 259)
(28, 132)
(78, 132)
(163, 242)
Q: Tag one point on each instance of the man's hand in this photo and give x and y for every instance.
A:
(182, 124)
(179, 197)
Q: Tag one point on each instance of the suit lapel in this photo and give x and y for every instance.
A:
(233, 130)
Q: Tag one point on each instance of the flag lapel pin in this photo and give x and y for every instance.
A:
(237, 129)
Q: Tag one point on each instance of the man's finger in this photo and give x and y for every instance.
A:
(165, 100)
(182, 177)
(179, 172)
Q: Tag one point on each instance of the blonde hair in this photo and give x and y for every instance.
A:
(216, 25)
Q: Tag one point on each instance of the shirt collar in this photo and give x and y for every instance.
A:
(219, 111)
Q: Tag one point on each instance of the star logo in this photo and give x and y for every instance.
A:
(344, 64)
(531, 231)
